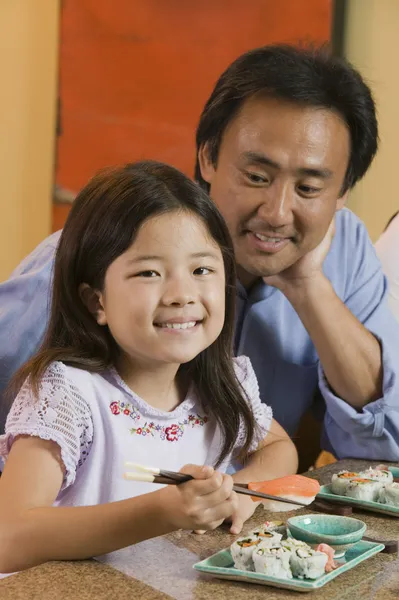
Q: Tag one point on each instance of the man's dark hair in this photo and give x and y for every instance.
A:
(304, 76)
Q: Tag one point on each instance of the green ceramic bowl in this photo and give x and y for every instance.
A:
(338, 532)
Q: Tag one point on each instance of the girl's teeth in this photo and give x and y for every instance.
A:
(264, 238)
(178, 325)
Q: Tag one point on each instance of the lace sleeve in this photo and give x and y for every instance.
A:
(262, 412)
(60, 414)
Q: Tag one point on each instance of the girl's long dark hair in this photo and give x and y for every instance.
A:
(102, 224)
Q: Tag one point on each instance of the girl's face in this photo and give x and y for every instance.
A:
(164, 298)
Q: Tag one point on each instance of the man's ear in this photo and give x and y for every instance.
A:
(93, 300)
(342, 200)
(206, 166)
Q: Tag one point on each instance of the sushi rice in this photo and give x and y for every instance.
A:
(242, 550)
(274, 562)
(383, 476)
(307, 563)
(340, 482)
(364, 489)
(390, 494)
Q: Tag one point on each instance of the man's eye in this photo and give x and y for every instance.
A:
(256, 178)
(308, 190)
(202, 271)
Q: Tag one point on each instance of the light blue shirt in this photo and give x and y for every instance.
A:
(268, 331)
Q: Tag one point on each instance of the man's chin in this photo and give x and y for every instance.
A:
(260, 270)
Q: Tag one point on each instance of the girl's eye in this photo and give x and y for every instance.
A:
(256, 178)
(147, 274)
(202, 271)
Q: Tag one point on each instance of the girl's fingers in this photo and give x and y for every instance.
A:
(236, 525)
(213, 484)
(220, 512)
(197, 471)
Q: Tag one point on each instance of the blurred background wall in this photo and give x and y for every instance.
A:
(131, 77)
(28, 75)
(135, 74)
(371, 42)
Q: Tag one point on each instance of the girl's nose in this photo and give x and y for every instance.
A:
(179, 293)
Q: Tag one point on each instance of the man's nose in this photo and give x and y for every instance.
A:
(277, 205)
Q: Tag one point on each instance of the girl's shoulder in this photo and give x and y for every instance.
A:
(62, 379)
(244, 370)
(62, 374)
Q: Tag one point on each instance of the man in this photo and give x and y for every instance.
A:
(284, 136)
(387, 248)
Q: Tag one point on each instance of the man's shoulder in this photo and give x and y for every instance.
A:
(351, 239)
(352, 256)
(40, 257)
(348, 224)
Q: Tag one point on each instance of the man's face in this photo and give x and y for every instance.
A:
(277, 181)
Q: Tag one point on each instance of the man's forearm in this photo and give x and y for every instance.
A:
(349, 354)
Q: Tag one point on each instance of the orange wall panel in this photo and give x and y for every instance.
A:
(134, 74)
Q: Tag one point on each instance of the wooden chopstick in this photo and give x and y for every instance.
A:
(173, 478)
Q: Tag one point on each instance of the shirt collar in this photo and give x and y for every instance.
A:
(258, 292)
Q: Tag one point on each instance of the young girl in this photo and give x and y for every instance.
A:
(136, 365)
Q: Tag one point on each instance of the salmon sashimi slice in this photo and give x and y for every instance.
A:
(295, 487)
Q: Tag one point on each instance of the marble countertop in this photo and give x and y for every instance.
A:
(161, 568)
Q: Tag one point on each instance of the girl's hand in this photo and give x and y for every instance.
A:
(203, 503)
(245, 509)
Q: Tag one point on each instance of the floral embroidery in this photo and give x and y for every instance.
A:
(126, 408)
(171, 433)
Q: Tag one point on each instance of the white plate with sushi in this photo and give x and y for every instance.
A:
(283, 563)
(373, 489)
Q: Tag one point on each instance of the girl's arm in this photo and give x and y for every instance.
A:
(275, 457)
(32, 531)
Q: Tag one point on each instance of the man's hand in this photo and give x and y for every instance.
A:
(306, 268)
(352, 363)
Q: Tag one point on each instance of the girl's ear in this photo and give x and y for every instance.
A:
(205, 163)
(93, 301)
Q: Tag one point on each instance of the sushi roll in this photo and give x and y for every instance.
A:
(270, 526)
(340, 482)
(364, 489)
(295, 487)
(241, 552)
(307, 563)
(390, 494)
(292, 544)
(267, 537)
(384, 476)
(274, 562)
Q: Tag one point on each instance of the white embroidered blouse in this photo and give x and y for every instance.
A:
(99, 423)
